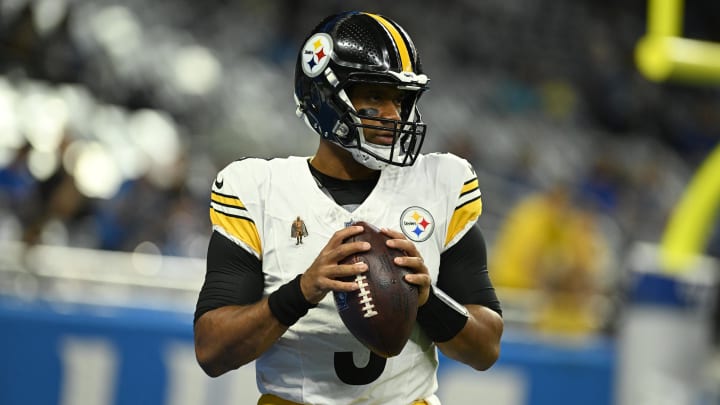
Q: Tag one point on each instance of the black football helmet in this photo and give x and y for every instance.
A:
(360, 48)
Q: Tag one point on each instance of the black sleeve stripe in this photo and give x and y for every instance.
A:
(232, 197)
(469, 191)
(228, 205)
(466, 203)
(470, 181)
(232, 215)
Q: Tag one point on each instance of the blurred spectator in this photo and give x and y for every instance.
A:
(47, 208)
(17, 193)
(602, 186)
(549, 245)
(19, 41)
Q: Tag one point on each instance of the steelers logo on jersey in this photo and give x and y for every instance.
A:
(316, 54)
(417, 224)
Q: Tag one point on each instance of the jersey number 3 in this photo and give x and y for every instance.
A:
(350, 374)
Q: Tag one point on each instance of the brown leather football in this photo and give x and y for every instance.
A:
(380, 314)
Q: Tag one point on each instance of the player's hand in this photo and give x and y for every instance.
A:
(413, 261)
(321, 277)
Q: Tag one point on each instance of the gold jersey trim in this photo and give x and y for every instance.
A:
(225, 212)
(467, 211)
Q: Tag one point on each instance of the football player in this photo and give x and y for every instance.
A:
(266, 297)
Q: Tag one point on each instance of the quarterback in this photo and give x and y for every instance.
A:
(267, 295)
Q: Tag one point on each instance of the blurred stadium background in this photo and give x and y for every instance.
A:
(116, 114)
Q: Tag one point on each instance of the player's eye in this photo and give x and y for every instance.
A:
(375, 97)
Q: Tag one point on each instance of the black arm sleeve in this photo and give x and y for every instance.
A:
(464, 274)
(233, 276)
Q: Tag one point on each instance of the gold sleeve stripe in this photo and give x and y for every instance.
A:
(469, 186)
(399, 42)
(227, 200)
(218, 202)
(470, 191)
(243, 228)
(464, 213)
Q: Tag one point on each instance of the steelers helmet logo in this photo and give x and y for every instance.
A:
(417, 224)
(316, 54)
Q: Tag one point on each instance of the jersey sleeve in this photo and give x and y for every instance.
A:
(233, 277)
(464, 272)
(467, 202)
(236, 203)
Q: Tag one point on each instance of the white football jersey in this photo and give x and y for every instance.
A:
(317, 361)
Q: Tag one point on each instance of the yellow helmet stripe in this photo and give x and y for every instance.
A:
(399, 42)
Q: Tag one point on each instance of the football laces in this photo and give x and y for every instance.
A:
(366, 299)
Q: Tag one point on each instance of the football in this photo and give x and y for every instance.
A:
(382, 312)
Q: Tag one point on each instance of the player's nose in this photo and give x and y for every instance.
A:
(389, 110)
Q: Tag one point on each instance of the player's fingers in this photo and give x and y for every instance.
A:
(347, 249)
(335, 250)
(418, 279)
(410, 261)
(404, 245)
(342, 277)
(399, 241)
(423, 282)
(339, 236)
(347, 286)
(392, 233)
(345, 270)
(413, 262)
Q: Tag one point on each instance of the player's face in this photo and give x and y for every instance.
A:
(377, 101)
